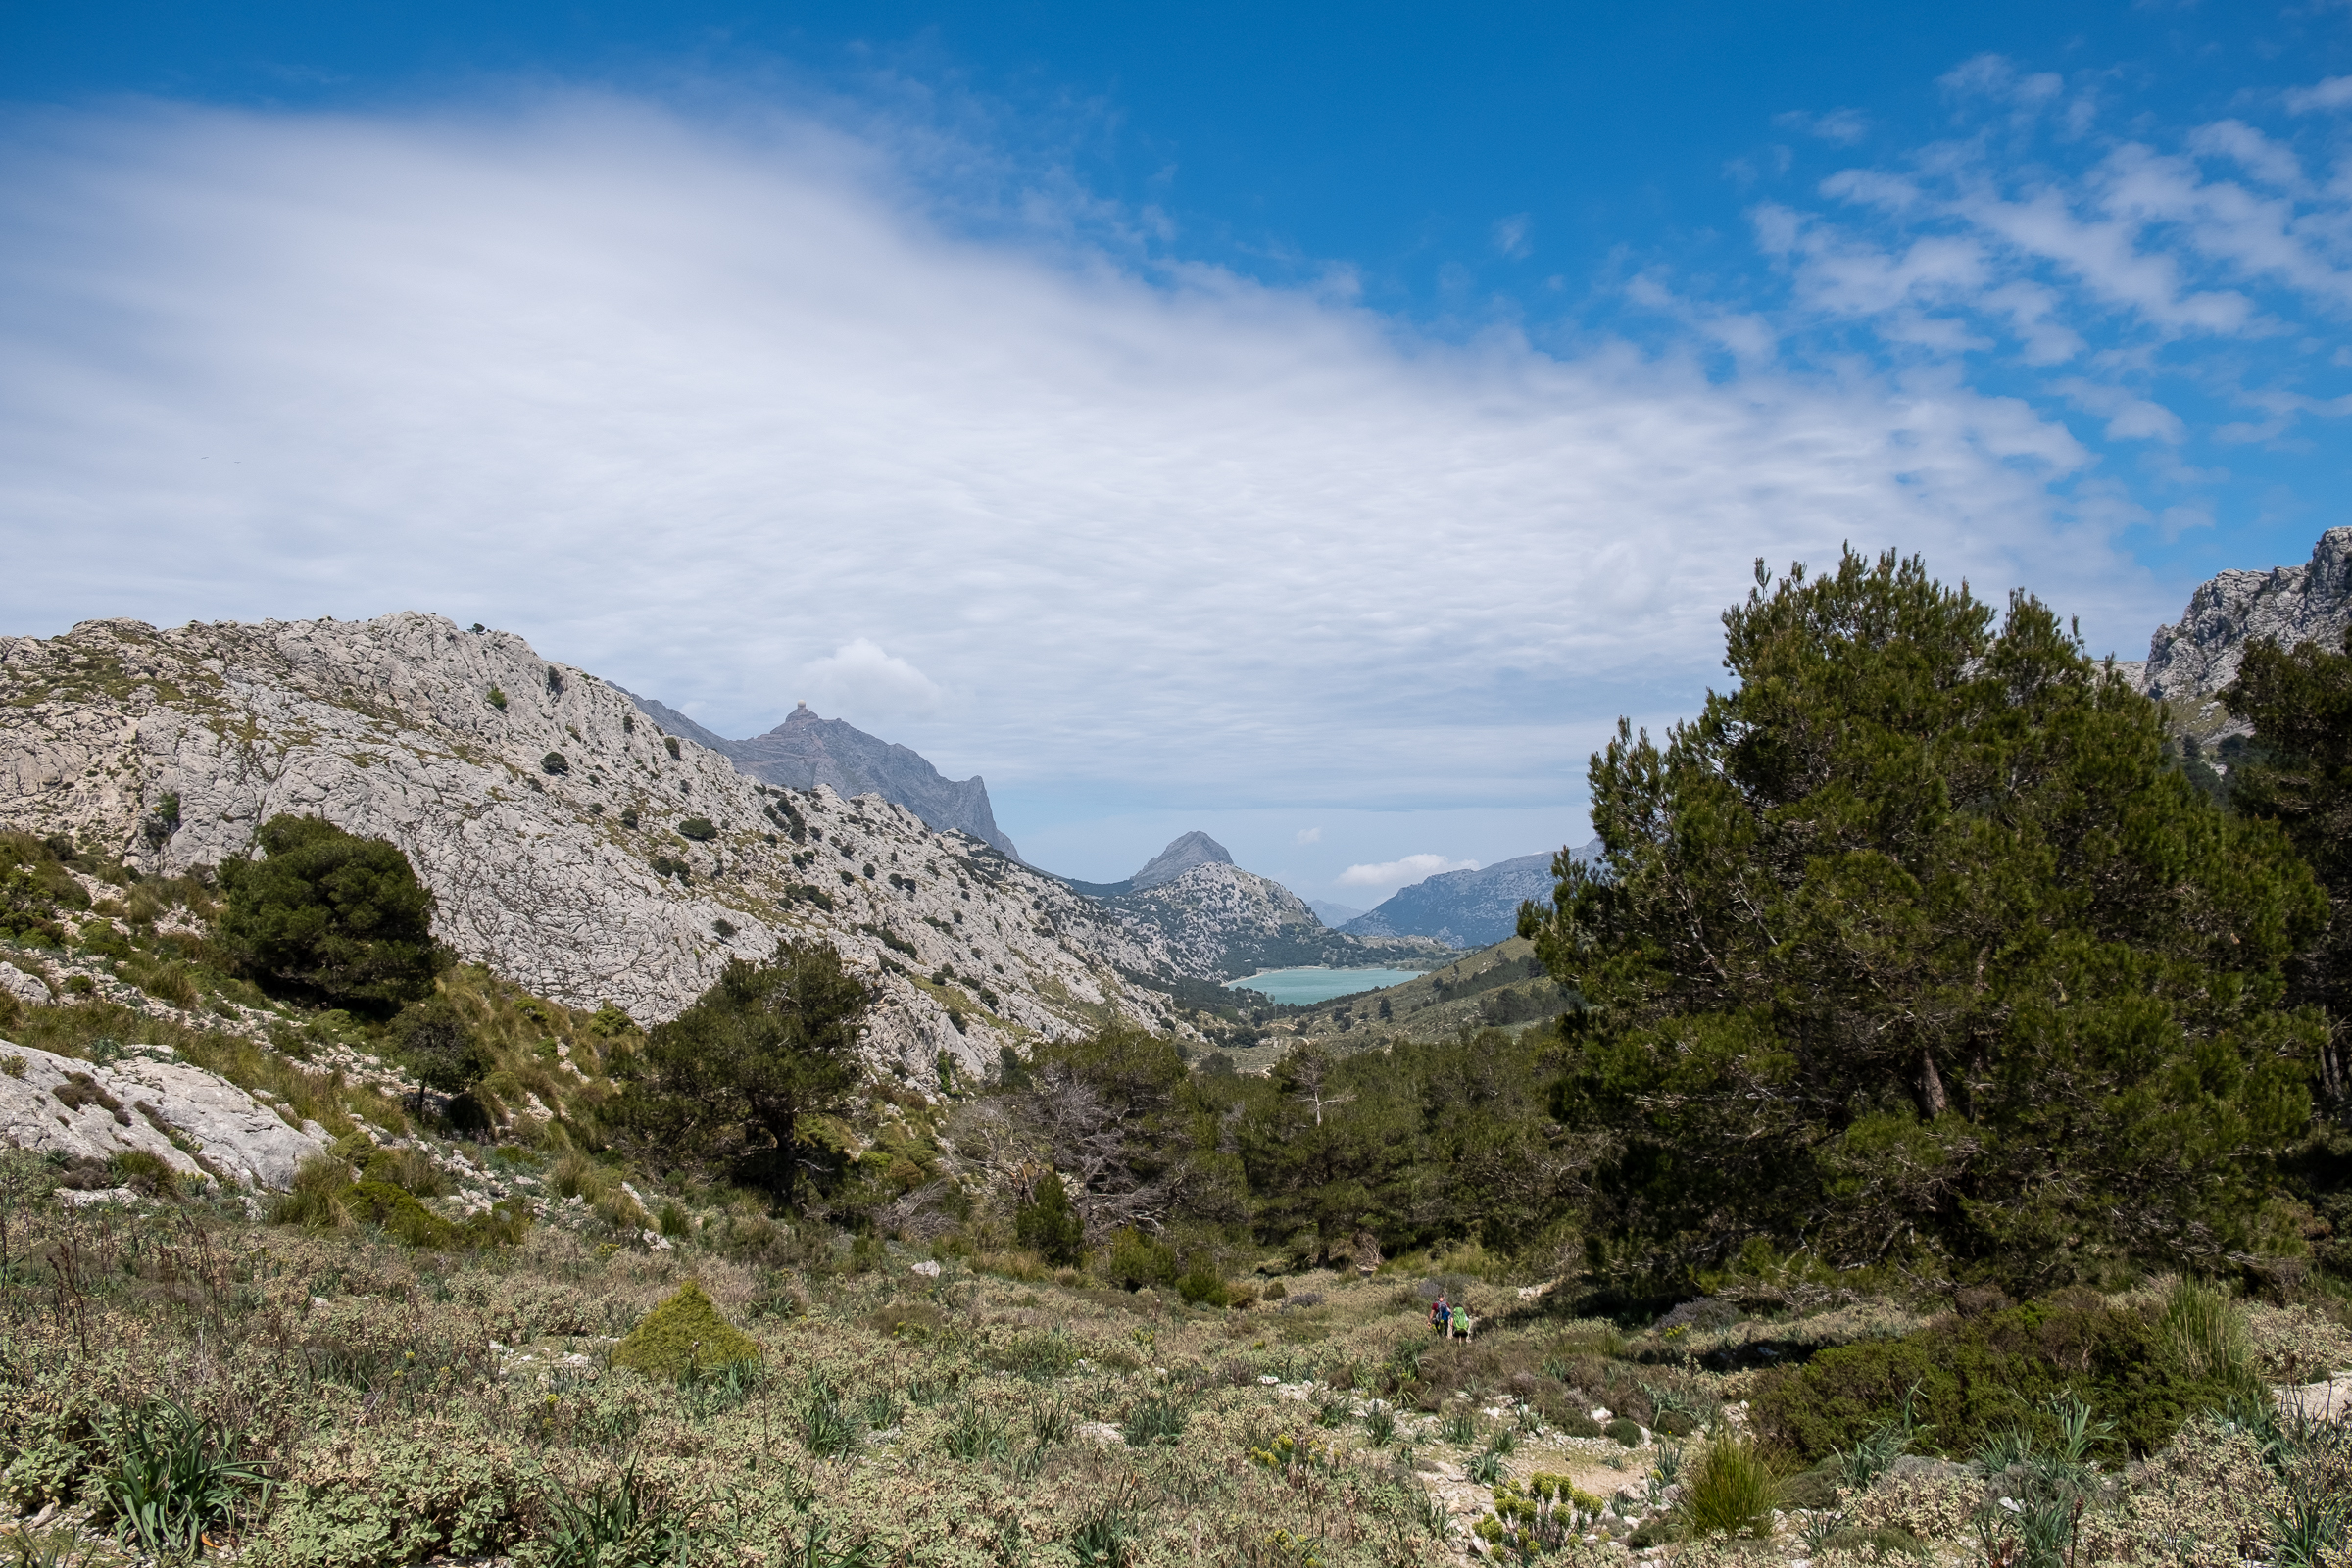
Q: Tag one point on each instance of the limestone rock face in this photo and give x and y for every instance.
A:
(2200, 654)
(1181, 855)
(805, 750)
(55, 1104)
(556, 823)
(1223, 922)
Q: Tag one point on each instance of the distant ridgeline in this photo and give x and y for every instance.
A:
(1465, 909)
(805, 750)
(1218, 918)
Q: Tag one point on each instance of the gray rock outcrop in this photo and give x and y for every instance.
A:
(1182, 853)
(201, 1125)
(1221, 922)
(546, 811)
(2192, 660)
(805, 750)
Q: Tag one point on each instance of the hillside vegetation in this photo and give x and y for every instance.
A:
(1920, 1133)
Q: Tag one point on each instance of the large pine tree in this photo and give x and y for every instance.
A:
(1912, 948)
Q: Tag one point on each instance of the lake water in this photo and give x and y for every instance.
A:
(1305, 986)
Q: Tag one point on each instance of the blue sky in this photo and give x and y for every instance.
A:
(1315, 424)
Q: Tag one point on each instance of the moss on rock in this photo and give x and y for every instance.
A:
(683, 1334)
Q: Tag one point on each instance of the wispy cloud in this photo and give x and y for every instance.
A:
(1510, 236)
(734, 412)
(1844, 126)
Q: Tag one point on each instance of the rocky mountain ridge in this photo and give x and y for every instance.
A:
(1465, 909)
(2192, 660)
(1224, 922)
(805, 750)
(568, 842)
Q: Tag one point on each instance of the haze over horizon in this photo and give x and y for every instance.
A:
(1315, 433)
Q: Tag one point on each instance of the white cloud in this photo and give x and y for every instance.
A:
(1844, 126)
(697, 407)
(1307, 835)
(2335, 92)
(1388, 876)
(1510, 236)
(861, 681)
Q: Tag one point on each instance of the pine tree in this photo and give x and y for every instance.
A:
(1912, 945)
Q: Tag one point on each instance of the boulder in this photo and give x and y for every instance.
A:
(197, 1123)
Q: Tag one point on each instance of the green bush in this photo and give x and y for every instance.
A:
(701, 829)
(329, 916)
(1731, 1491)
(379, 1202)
(555, 764)
(1138, 1260)
(684, 1335)
(1047, 1225)
(1200, 1284)
(1980, 1376)
(1627, 1433)
(498, 698)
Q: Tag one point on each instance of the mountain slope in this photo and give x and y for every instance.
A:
(1223, 922)
(545, 813)
(2192, 660)
(1465, 909)
(805, 750)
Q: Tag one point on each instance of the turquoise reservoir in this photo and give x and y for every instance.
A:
(1305, 986)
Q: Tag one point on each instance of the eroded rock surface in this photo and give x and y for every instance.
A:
(2192, 660)
(199, 1125)
(556, 825)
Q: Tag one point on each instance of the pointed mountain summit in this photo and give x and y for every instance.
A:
(805, 750)
(1181, 855)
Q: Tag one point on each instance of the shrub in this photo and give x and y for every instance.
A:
(1729, 1491)
(722, 929)
(701, 829)
(1138, 1260)
(670, 743)
(438, 1046)
(1201, 1285)
(379, 1202)
(1980, 1376)
(554, 762)
(628, 818)
(1627, 1432)
(498, 698)
(684, 1333)
(1047, 1225)
(329, 916)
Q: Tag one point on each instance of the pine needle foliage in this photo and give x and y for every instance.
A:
(1913, 944)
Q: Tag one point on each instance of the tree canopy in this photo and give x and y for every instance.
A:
(331, 916)
(742, 1073)
(1913, 944)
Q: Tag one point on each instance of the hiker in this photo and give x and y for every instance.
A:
(1440, 1317)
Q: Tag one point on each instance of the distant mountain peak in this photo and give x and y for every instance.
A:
(1466, 909)
(2199, 654)
(805, 750)
(1182, 853)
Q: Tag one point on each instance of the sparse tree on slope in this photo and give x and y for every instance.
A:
(1912, 946)
(743, 1072)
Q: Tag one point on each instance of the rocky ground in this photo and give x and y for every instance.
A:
(569, 844)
